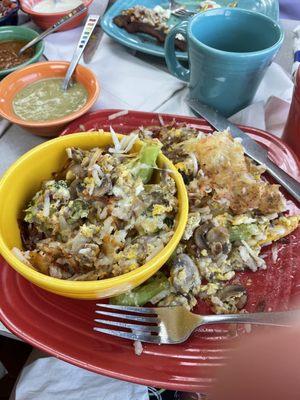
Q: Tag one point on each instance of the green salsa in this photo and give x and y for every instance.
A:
(45, 100)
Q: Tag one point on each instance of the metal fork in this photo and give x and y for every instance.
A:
(179, 11)
(182, 13)
(170, 325)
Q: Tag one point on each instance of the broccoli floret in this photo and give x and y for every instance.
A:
(77, 209)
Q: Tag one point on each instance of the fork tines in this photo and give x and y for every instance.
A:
(144, 327)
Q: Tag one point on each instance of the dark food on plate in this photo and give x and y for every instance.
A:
(9, 54)
(6, 6)
(45, 100)
(233, 213)
(153, 22)
(102, 216)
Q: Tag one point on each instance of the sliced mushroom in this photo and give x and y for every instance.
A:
(76, 170)
(77, 154)
(234, 293)
(217, 234)
(217, 239)
(231, 290)
(216, 248)
(227, 247)
(105, 187)
(192, 249)
(199, 239)
(205, 227)
(184, 274)
(73, 188)
(79, 187)
(242, 302)
(30, 235)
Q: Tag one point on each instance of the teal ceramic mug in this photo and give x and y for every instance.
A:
(229, 51)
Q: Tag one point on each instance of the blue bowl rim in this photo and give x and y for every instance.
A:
(13, 11)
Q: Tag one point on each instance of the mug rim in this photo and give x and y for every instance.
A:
(222, 11)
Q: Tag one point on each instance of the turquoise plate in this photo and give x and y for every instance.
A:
(147, 44)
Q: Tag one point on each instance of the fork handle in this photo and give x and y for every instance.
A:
(182, 13)
(282, 318)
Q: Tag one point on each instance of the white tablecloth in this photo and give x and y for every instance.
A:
(46, 378)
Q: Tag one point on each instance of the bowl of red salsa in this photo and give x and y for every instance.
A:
(12, 39)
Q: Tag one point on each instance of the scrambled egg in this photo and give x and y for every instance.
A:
(281, 228)
(233, 213)
(120, 221)
(105, 216)
(159, 209)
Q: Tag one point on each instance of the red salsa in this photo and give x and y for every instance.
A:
(9, 54)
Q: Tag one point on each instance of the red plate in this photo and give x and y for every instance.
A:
(63, 327)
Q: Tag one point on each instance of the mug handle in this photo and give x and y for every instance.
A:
(173, 64)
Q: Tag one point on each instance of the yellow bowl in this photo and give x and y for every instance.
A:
(23, 179)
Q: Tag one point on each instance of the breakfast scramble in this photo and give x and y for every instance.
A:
(101, 217)
(233, 213)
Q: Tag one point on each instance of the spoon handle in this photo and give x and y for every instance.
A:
(67, 18)
(84, 38)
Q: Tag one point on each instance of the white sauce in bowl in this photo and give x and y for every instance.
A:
(50, 6)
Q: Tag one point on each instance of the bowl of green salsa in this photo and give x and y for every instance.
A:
(45, 100)
(34, 99)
